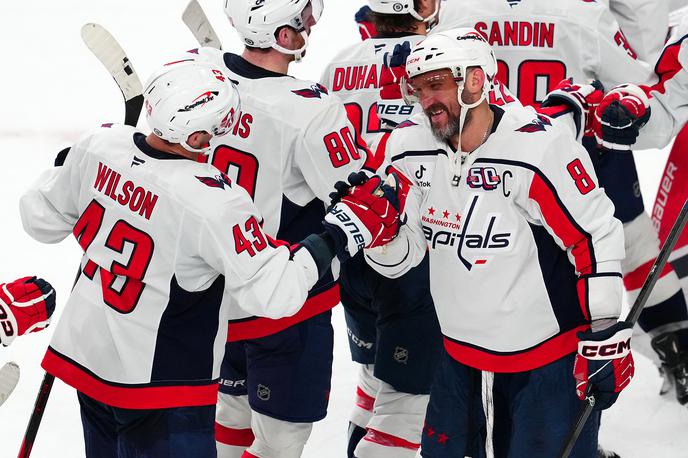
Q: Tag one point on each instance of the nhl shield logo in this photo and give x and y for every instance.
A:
(263, 392)
(401, 355)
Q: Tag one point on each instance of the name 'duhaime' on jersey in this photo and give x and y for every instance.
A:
(130, 195)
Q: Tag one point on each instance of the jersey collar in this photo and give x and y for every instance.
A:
(145, 148)
(242, 67)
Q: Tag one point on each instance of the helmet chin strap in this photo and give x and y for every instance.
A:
(297, 53)
(460, 156)
(430, 20)
(188, 147)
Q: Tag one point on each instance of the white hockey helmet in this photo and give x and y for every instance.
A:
(257, 21)
(456, 50)
(189, 96)
(402, 7)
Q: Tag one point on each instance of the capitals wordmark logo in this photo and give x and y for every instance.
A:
(465, 237)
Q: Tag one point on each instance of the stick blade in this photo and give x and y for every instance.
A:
(195, 19)
(9, 377)
(104, 46)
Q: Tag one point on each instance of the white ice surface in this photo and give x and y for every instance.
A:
(52, 90)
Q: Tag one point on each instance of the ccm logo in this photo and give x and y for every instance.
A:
(6, 323)
(619, 348)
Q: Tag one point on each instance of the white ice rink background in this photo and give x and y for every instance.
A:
(52, 90)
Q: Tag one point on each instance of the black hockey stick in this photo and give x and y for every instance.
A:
(196, 20)
(588, 403)
(103, 45)
(36, 416)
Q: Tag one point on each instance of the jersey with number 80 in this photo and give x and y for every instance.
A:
(291, 143)
(540, 42)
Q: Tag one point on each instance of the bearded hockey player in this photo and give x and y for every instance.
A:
(500, 217)
(537, 44)
(291, 143)
(26, 305)
(391, 323)
(164, 238)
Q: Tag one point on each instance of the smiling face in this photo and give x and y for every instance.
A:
(437, 93)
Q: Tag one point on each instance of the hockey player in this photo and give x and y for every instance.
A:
(291, 143)
(26, 305)
(164, 237)
(391, 323)
(537, 43)
(500, 217)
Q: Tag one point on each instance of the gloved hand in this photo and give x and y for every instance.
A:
(365, 26)
(604, 363)
(581, 98)
(393, 70)
(26, 305)
(364, 213)
(620, 115)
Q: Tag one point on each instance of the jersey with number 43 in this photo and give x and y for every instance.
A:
(163, 238)
(540, 42)
(524, 249)
(292, 142)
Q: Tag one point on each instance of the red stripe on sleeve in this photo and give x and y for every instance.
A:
(562, 226)
(388, 440)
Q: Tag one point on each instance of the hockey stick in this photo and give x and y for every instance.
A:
(589, 402)
(103, 45)
(9, 377)
(196, 20)
(36, 416)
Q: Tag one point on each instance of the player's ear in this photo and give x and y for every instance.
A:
(426, 7)
(199, 139)
(284, 36)
(475, 79)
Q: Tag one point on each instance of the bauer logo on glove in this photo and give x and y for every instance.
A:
(364, 213)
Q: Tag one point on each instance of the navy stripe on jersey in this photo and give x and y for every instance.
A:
(555, 195)
(186, 334)
(560, 280)
(242, 67)
(435, 152)
(145, 148)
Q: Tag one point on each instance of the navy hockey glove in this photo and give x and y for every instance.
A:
(620, 115)
(582, 99)
(604, 363)
(365, 213)
(393, 70)
(26, 305)
(365, 25)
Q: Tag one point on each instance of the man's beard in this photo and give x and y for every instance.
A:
(450, 129)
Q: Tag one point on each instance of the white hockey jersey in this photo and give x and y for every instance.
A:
(144, 326)
(524, 253)
(355, 75)
(540, 42)
(292, 142)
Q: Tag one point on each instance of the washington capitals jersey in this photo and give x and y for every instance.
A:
(540, 42)
(524, 249)
(292, 142)
(355, 75)
(164, 238)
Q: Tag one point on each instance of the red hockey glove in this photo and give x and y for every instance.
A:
(604, 363)
(365, 213)
(393, 70)
(582, 99)
(26, 305)
(620, 115)
(365, 26)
